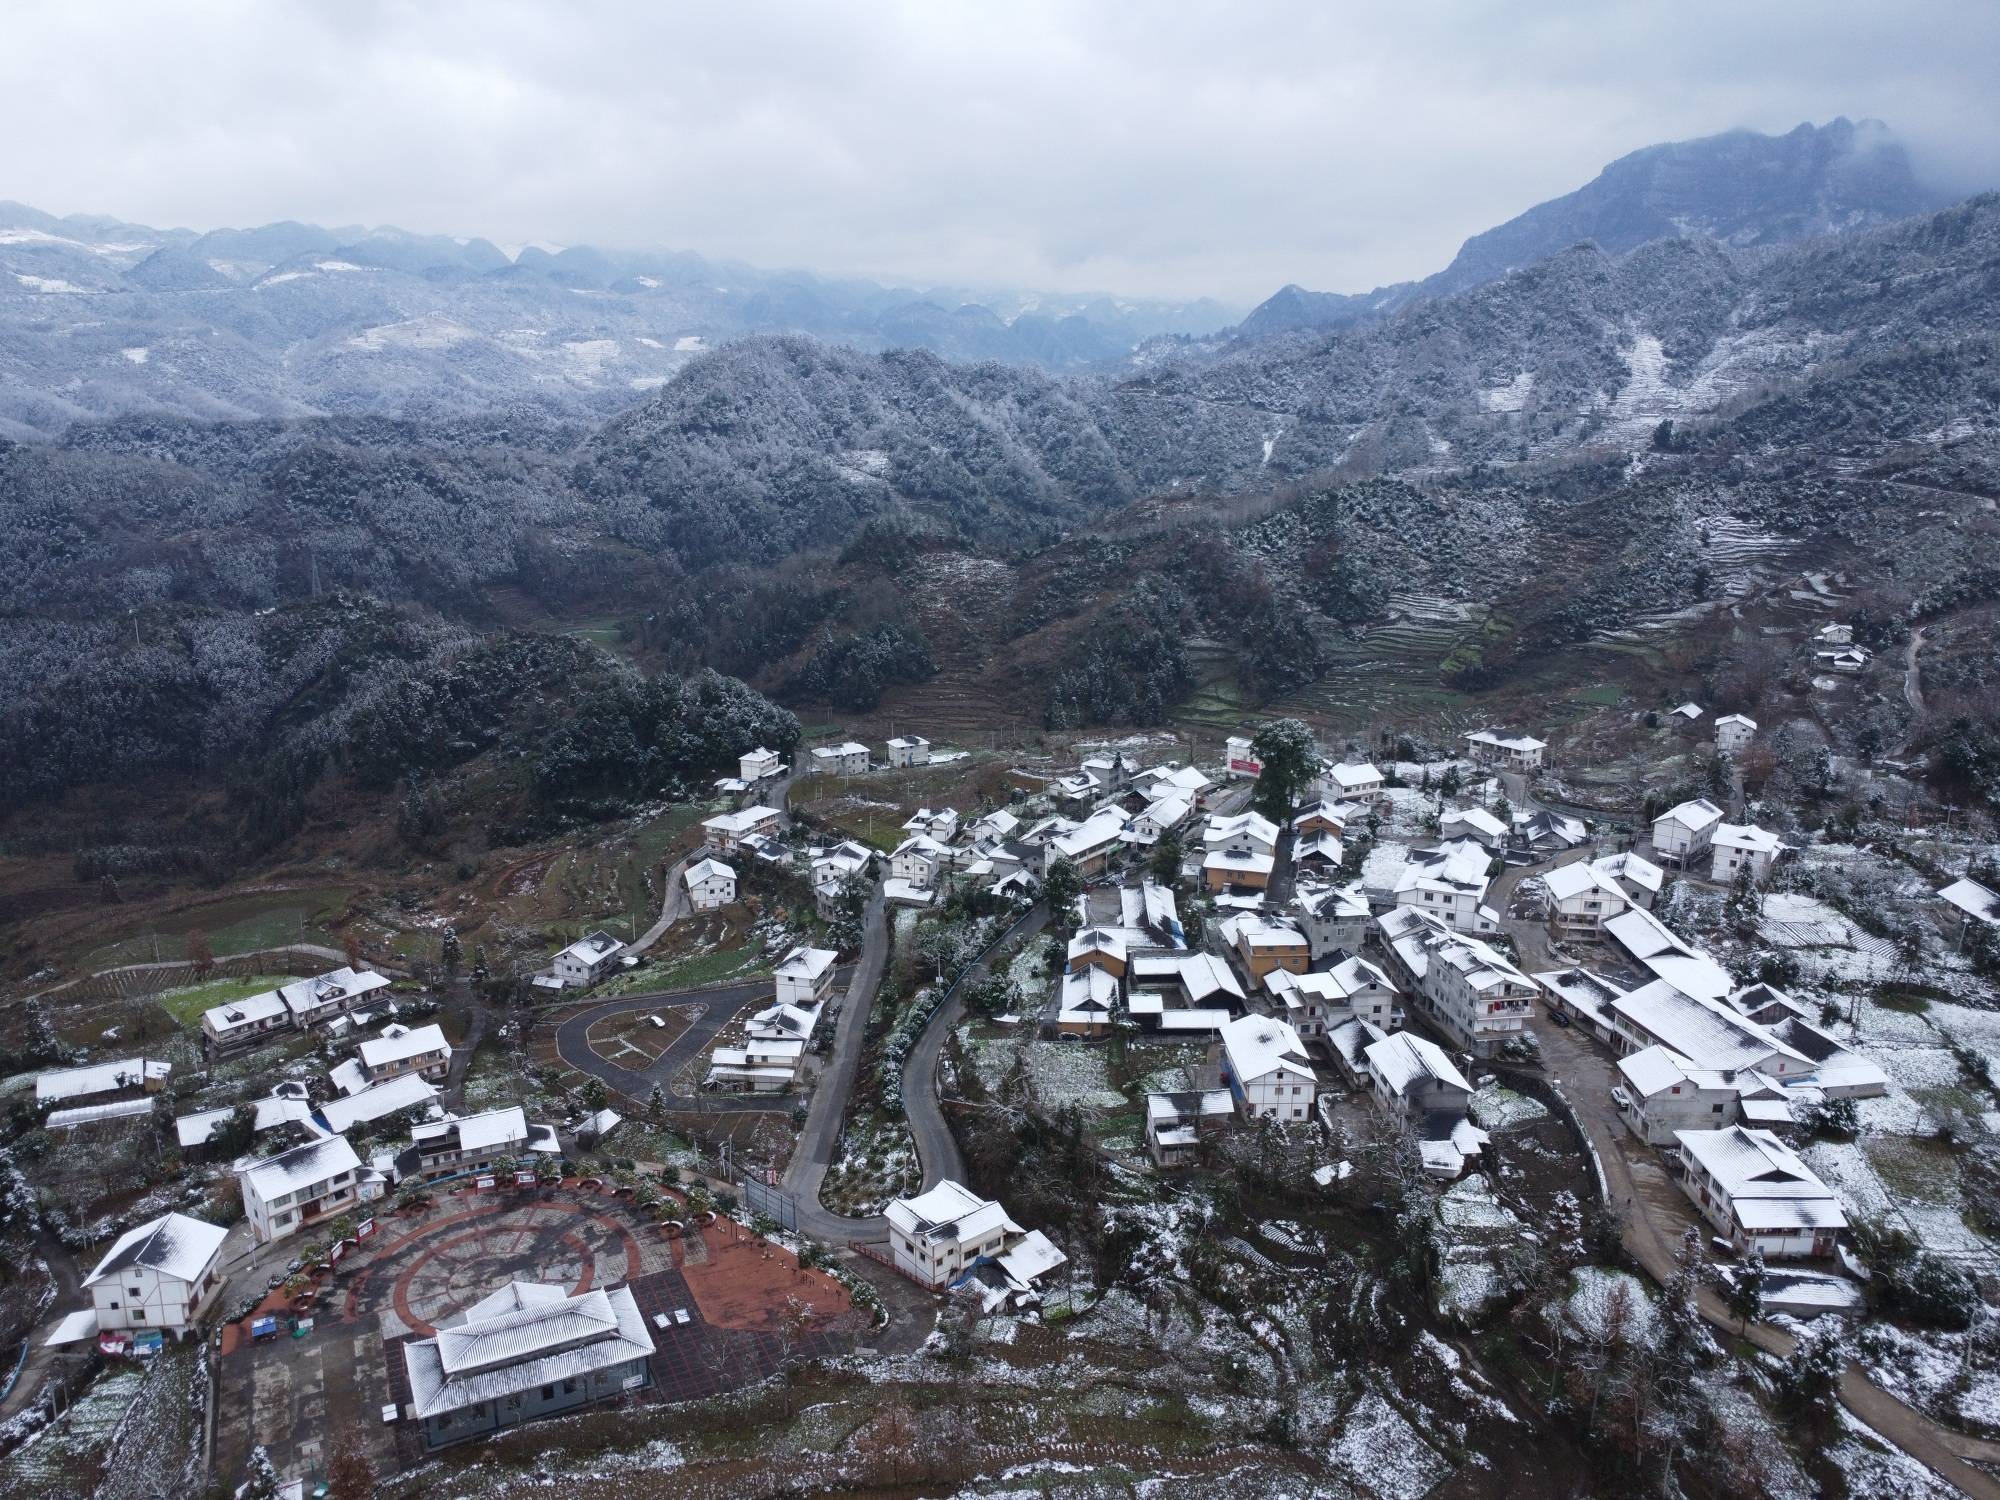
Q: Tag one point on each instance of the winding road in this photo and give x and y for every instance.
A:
(722, 1004)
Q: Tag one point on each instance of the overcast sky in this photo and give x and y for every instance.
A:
(1140, 147)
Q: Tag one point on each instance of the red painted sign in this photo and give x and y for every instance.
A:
(367, 1228)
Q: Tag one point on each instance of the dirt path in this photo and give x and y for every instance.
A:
(1913, 688)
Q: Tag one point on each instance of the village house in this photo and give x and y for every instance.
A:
(1171, 780)
(1111, 773)
(285, 1193)
(1757, 1194)
(938, 823)
(1239, 758)
(1849, 659)
(128, 1077)
(1088, 845)
(1239, 867)
(1545, 832)
(833, 867)
(1320, 1000)
(758, 764)
(727, 831)
(1150, 908)
(847, 759)
(1476, 824)
(1488, 747)
(1638, 878)
(165, 1274)
(804, 976)
(1175, 1123)
(1097, 947)
(1319, 854)
(1834, 633)
(1967, 904)
(1660, 1093)
(1582, 898)
(1687, 713)
(909, 750)
(936, 1236)
(238, 1023)
(1248, 830)
(420, 1050)
(1449, 883)
(313, 1002)
(286, 1104)
(477, 1143)
(994, 828)
(1651, 944)
(522, 1352)
(1323, 816)
(710, 883)
(586, 960)
(1710, 1034)
(1086, 1000)
(1415, 1080)
(1262, 945)
(1336, 780)
(919, 861)
(1334, 918)
(1266, 1070)
(1681, 834)
(1743, 846)
(1204, 991)
(1157, 820)
(762, 1065)
(1733, 733)
(1458, 984)
(411, 1091)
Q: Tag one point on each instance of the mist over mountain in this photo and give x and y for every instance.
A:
(1741, 188)
(99, 317)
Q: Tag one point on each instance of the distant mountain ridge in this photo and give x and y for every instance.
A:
(100, 317)
(1741, 188)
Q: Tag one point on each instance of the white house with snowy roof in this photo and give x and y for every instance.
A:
(522, 1352)
(1318, 1001)
(1743, 846)
(1266, 1070)
(804, 976)
(314, 1001)
(478, 1143)
(1518, 752)
(1450, 883)
(1968, 902)
(1638, 877)
(919, 861)
(847, 759)
(710, 883)
(757, 764)
(909, 750)
(586, 960)
(1344, 780)
(1333, 918)
(1088, 845)
(1733, 733)
(936, 1236)
(1757, 1194)
(306, 1185)
(727, 831)
(164, 1274)
(1476, 824)
(1681, 834)
(1462, 986)
(421, 1050)
(1176, 1122)
(97, 1081)
(1582, 898)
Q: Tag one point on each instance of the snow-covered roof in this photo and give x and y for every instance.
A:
(1406, 1058)
(1087, 992)
(536, 1341)
(743, 820)
(592, 948)
(1742, 720)
(1689, 711)
(1029, 1259)
(91, 1114)
(1706, 1032)
(1240, 861)
(1567, 882)
(1694, 815)
(400, 1043)
(1655, 1070)
(481, 1132)
(1768, 1187)
(1332, 902)
(1093, 833)
(908, 741)
(1636, 868)
(1643, 935)
(1349, 778)
(1974, 899)
(706, 870)
(1519, 742)
(173, 1245)
(335, 987)
(302, 1166)
(1241, 828)
(101, 1078)
(1453, 867)
(249, 1011)
(831, 752)
(1476, 818)
(1746, 836)
(1259, 1045)
(1110, 941)
(949, 1211)
(410, 1091)
(195, 1129)
(806, 963)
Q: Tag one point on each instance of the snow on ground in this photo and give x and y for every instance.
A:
(1512, 396)
(690, 343)
(1058, 1073)
(1384, 865)
(1496, 1108)
(1609, 1305)
(138, 355)
(648, 382)
(53, 284)
(1874, 1466)
(1381, 1452)
(427, 332)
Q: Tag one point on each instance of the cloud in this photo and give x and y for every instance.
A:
(1151, 150)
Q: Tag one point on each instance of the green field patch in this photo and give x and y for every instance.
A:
(186, 1004)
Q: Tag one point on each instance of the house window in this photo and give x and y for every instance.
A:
(569, 1387)
(548, 1393)
(138, 1315)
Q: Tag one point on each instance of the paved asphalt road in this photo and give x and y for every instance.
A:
(936, 1148)
(723, 1006)
(814, 1151)
(1657, 1215)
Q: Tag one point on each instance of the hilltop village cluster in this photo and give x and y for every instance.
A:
(1411, 940)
